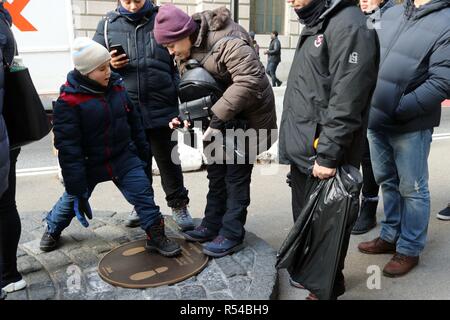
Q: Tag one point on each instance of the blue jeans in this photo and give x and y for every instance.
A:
(136, 188)
(400, 166)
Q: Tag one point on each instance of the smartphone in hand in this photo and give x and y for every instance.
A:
(119, 48)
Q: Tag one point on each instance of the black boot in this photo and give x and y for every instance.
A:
(157, 241)
(49, 242)
(367, 219)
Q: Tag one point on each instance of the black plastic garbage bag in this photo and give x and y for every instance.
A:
(313, 246)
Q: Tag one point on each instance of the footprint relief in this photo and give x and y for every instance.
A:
(148, 274)
(132, 252)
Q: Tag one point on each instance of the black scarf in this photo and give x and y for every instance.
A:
(137, 16)
(92, 85)
(309, 15)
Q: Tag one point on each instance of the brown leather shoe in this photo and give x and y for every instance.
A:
(377, 246)
(400, 265)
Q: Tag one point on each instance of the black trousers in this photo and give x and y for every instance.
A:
(370, 187)
(271, 71)
(299, 193)
(171, 173)
(10, 228)
(228, 199)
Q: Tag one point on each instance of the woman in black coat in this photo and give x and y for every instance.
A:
(10, 227)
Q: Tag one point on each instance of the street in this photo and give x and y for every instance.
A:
(270, 218)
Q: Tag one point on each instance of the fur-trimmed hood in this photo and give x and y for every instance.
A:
(214, 20)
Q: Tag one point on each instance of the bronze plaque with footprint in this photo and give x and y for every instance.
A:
(131, 266)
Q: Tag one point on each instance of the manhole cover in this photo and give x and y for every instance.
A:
(131, 266)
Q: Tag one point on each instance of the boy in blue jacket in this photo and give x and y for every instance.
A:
(99, 137)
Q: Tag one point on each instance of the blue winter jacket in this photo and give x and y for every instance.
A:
(414, 75)
(99, 135)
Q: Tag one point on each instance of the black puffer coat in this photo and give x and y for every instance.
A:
(414, 75)
(151, 77)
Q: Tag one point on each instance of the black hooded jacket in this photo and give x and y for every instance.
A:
(329, 89)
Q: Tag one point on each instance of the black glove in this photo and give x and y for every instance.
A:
(82, 210)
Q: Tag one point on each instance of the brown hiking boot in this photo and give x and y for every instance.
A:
(400, 265)
(377, 246)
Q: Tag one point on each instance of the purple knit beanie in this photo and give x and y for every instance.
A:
(172, 24)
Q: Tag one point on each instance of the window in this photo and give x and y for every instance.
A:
(267, 15)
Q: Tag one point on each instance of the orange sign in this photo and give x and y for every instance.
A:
(15, 8)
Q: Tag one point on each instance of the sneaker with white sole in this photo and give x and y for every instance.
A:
(133, 220)
(15, 286)
(444, 214)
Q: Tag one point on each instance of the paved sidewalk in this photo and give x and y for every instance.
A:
(71, 273)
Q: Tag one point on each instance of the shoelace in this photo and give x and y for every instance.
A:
(399, 258)
(219, 239)
(182, 213)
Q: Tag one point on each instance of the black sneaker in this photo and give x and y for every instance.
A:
(48, 242)
(200, 234)
(367, 219)
(444, 214)
(158, 242)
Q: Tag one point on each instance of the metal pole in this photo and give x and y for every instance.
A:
(235, 10)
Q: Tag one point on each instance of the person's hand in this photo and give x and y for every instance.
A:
(323, 173)
(82, 210)
(210, 132)
(266, 52)
(176, 123)
(120, 61)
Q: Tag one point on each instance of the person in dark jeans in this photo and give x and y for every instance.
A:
(247, 103)
(10, 226)
(151, 79)
(274, 58)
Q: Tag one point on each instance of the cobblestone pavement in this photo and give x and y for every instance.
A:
(70, 272)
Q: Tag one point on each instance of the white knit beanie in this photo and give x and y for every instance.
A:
(88, 55)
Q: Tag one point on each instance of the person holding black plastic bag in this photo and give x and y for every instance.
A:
(325, 109)
(224, 49)
(10, 227)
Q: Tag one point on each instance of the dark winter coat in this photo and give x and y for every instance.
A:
(414, 75)
(7, 45)
(150, 77)
(330, 85)
(99, 135)
(274, 54)
(249, 95)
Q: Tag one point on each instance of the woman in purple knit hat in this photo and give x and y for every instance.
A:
(248, 100)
